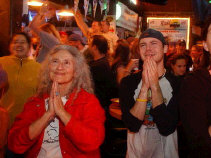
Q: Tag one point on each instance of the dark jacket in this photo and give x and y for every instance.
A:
(195, 112)
(104, 83)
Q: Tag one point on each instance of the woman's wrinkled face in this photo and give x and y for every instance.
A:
(61, 67)
(179, 68)
(19, 46)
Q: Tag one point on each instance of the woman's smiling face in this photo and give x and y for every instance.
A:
(61, 67)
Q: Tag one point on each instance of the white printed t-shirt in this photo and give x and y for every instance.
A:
(50, 146)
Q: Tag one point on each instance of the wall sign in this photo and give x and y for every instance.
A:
(127, 19)
(173, 28)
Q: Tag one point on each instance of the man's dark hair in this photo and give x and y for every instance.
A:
(153, 34)
(28, 39)
(101, 43)
(205, 28)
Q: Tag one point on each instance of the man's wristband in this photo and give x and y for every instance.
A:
(141, 100)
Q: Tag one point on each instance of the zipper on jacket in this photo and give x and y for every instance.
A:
(21, 62)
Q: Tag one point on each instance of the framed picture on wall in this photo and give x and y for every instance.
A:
(173, 29)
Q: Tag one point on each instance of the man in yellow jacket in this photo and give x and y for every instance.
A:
(22, 75)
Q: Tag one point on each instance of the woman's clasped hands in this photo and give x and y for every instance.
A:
(55, 107)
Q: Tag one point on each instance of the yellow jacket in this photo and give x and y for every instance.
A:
(22, 80)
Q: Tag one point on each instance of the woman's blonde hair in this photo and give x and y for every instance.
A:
(81, 76)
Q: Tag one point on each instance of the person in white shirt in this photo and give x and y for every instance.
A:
(110, 36)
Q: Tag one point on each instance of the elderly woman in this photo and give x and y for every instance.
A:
(64, 119)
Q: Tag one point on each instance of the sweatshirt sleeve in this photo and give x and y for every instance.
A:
(48, 39)
(88, 133)
(166, 117)
(126, 93)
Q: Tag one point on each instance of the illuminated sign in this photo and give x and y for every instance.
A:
(126, 17)
(174, 28)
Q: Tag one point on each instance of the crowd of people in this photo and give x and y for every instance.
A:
(55, 96)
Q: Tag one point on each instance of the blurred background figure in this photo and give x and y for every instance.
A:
(110, 36)
(105, 87)
(22, 75)
(35, 42)
(181, 49)
(95, 29)
(204, 60)
(48, 34)
(130, 40)
(180, 46)
(123, 65)
(177, 69)
(78, 42)
(171, 48)
(196, 53)
(63, 37)
(177, 64)
(134, 51)
(134, 48)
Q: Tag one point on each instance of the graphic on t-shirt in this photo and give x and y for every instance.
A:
(52, 132)
(148, 119)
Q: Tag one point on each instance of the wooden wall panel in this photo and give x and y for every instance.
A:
(4, 26)
(171, 6)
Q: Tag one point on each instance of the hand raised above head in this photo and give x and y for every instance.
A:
(37, 21)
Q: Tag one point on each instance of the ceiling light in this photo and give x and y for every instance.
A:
(35, 3)
(64, 13)
(133, 1)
